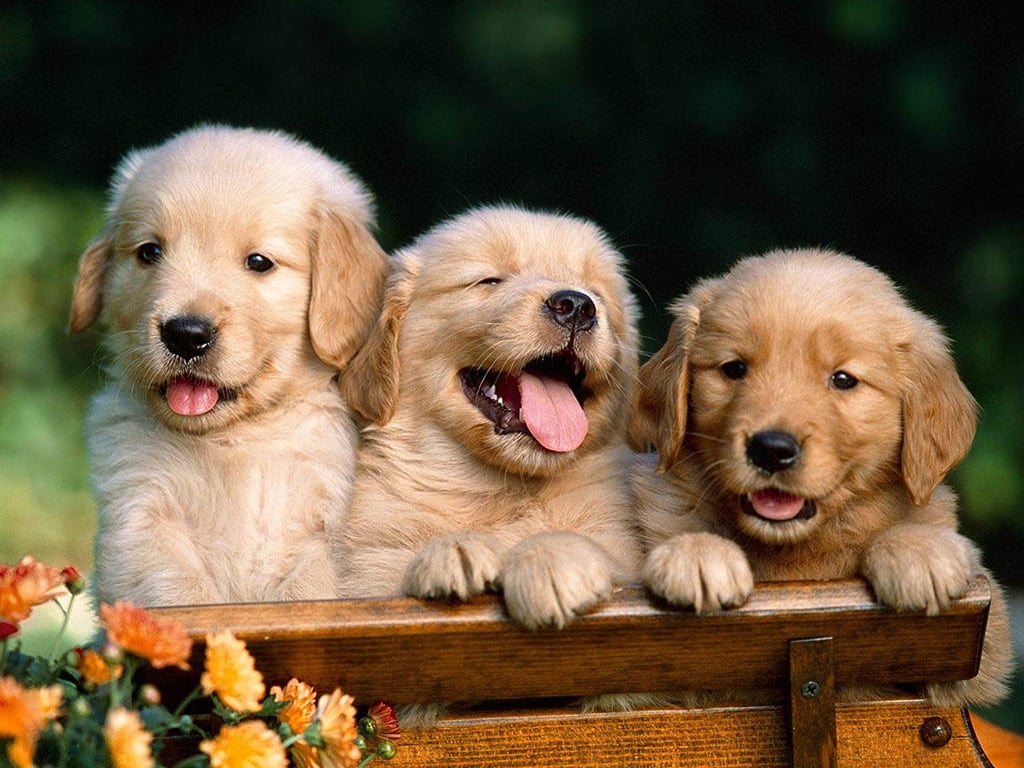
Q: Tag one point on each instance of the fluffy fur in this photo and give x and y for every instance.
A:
(236, 274)
(447, 503)
(804, 418)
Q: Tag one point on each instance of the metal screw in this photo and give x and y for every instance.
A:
(810, 689)
(936, 731)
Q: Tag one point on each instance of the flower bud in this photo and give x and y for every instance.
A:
(112, 653)
(149, 695)
(386, 750)
(7, 629)
(73, 580)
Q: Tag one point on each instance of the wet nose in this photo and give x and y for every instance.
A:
(572, 309)
(187, 336)
(772, 451)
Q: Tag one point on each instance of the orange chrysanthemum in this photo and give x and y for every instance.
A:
(163, 643)
(337, 719)
(301, 698)
(21, 720)
(129, 743)
(25, 585)
(251, 744)
(96, 670)
(231, 673)
(50, 699)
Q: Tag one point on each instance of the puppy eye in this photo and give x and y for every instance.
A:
(489, 281)
(149, 253)
(257, 262)
(735, 369)
(843, 380)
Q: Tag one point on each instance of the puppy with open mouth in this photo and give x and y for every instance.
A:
(496, 387)
(236, 275)
(804, 417)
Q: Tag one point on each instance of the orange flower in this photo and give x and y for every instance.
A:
(26, 585)
(164, 643)
(337, 719)
(301, 698)
(251, 744)
(50, 700)
(96, 670)
(128, 742)
(231, 673)
(21, 720)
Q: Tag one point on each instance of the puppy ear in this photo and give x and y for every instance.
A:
(370, 383)
(87, 299)
(347, 280)
(939, 414)
(659, 409)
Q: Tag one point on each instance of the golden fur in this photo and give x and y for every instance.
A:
(233, 504)
(804, 418)
(446, 507)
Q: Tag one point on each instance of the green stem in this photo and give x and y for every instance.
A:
(63, 626)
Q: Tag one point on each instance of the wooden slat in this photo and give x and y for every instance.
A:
(406, 650)
(868, 734)
(812, 701)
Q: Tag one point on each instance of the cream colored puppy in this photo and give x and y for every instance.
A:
(236, 274)
(805, 417)
(497, 385)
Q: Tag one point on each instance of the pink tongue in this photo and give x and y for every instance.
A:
(551, 412)
(776, 505)
(191, 397)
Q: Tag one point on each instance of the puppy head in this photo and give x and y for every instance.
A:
(799, 381)
(513, 332)
(232, 262)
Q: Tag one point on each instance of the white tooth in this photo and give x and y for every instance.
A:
(500, 401)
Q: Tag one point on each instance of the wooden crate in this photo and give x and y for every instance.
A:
(796, 644)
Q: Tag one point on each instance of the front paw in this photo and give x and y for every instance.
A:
(459, 565)
(551, 578)
(919, 567)
(702, 570)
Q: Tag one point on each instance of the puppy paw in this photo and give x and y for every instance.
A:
(699, 570)
(456, 566)
(917, 567)
(551, 578)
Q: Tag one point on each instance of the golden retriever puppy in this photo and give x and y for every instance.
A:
(497, 387)
(236, 274)
(804, 418)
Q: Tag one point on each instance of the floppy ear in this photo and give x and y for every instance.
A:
(347, 279)
(939, 414)
(659, 409)
(370, 383)
(87, 299)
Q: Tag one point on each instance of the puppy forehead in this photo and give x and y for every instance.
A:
(511, 242)
(828, 305)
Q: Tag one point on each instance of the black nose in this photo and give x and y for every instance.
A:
(572, 309)
(771, 451)
(187, 336)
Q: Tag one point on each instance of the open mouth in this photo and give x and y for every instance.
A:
(775, 506)
(189, 396)
(544, 400)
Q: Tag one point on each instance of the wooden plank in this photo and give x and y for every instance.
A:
(812, 701)
(868, 734)
(405, 650)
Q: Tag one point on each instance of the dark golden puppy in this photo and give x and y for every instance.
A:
(805, 417)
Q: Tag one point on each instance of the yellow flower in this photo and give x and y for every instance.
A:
(301, 707)
(250, 744)
(50, 700)
(163, 643)
(337, 719)
(21, 720)
(128, 742)
(231, 673)
(96, 670)
(25, 585)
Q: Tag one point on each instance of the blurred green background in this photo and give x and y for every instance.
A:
(693, 132)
